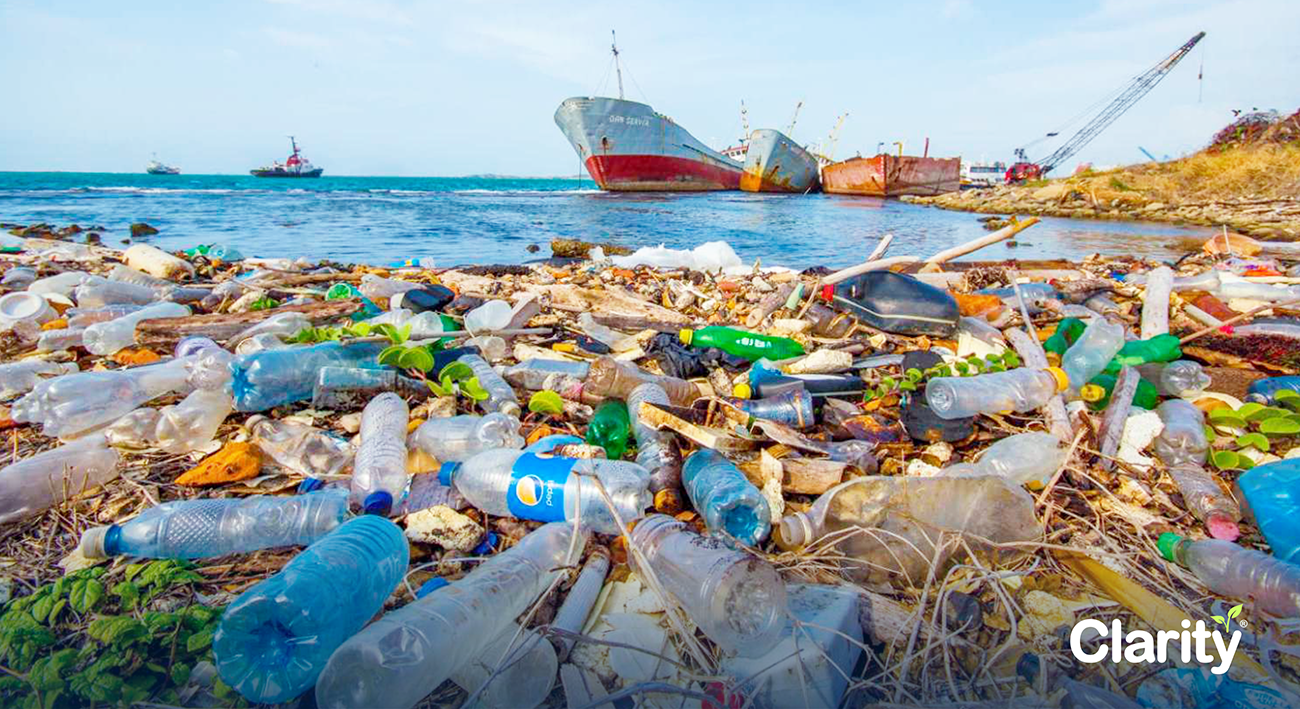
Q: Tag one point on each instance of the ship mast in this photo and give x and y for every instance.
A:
(617, 67)
(294, 143)
(790, 129)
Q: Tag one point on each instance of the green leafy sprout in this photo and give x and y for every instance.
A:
(912, 378)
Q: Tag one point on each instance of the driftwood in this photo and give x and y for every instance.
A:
(932, 263)
(164, 332)
(573, 248)
(715, 438)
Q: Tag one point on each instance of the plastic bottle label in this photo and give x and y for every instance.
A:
(537, 487)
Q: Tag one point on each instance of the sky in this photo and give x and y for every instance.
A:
(415, 88)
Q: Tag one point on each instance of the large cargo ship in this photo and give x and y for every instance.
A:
(629, 147)
(892, 176)
(775, 163)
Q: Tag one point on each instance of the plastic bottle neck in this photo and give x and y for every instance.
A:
(795, 531)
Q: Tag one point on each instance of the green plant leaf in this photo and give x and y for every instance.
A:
(117, 629)
(1279, 427)
(416, 358)
(96, 686)
(456, 372)
(391, 355)
(1229, 460)
(1226, 417)
(85, 594)
(360, 329)
(546, 402)
(1258, 440)
(914, 375)
(405, 333)
(907, 386)
(1265, 413)
(128, 592)
(41, 608)
(199, 641)
(474, 390)
(1011, 359)
(180, 674)
(437, 390)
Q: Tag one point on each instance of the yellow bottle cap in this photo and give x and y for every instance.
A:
(685, 336)
(742, 391)
(1062, 379)
(1092, 392)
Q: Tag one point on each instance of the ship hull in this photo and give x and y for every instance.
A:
(893, 176)
(284, 173)
(628, 147)
(775, 163)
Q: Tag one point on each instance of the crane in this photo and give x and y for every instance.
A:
(1024, 170)
(790, 129)
(828, 156)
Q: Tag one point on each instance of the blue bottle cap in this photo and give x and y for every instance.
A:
(487, 545)
(446, 471)
(378, 503)
(431, 585)
(310, 485)
(112, 540)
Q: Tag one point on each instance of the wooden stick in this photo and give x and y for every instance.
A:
(976, 244)
(1237, 318)
(872, 265)
(879, 251)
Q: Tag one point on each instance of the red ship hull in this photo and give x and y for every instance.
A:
(656, 173)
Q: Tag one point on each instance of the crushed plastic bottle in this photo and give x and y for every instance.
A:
(85, 317)
(61, 284)
(656, 450)
(1096, 393)
(489, 317)
(501, 396)
(1247, 290)
(301, 448)
(281, 324)
(609, 378)
(197, 529)
(34, 484)
(75, 403)
(1161, 348)
(106, 338)
(192, 424)
(379, 477)
(792, 408)
(1182, 446)
(888, 528)
(1023, 459)
(750, 345)
(373, 286)
(18, 278)
(532, 374)
(725, 498)
(1020, 390)
(1183, 378)
(274, 640)
(346, 388)
(96, 294)
(737, 599)
(1091, 353)
(21, 377)
(60, 340)
(458, 438)
(1272, 585)
(611, 338)
(1067, 333)
(270, 378)
(609, 428)
(402, 657)
(1270, 495)
(512, 483)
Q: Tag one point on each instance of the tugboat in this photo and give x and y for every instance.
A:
(156, 168)
(294, 166)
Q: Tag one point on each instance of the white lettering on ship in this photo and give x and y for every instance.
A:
(630, 120)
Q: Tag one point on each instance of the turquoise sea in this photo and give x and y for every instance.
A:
(458, 220)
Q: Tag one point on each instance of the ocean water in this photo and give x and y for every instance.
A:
(464, 220)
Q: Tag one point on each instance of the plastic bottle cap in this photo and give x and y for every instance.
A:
(1167, 543)
(742, 391)
(23, 306)
(310, 485)
(377, 503)
(1062, 379)
(92, 543)
(431, 585)
(1092, 393)
(446, 472)
(685, 336)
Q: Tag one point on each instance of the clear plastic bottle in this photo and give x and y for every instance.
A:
(489, 317)
(122, 273)
(609, 378)
(21, 377)
(106, 338)
(792, 408)
(62, 283)
(274, 640)
(192, 423)
(1020, 390)
(656, 450)
(18, 277)
(345, 388)
(74, 403)
(209, 367)
(459, 438)
(611, 338)
(224, 291)
(1155, 302)
(1182, 446)
(85, 317)
(379, 476)
(101, 293)
(736, 598)
(1088, 356)
(888, 529)
(134, 431)
(373, 286)
(1183, 378)
(511, 483)
(1248, 290)
(32, 485)
(402, 657)
(60, 340)
(270, 378)
(725, 498)
(282, 324)
(532, 374)
(197, 529)
(301, 448)
(1023, 459)
(501, 396)
(572, 615)
(258, 343)
(1272, 585)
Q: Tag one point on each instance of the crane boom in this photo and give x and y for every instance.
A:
(1129, 96)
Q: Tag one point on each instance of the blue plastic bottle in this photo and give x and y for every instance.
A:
(725, 497)
(1270, 496)
(269, 378)
(1265, 391)
(275, 639)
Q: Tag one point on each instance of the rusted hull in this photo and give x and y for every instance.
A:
(893, 176)
(628, 147)
(775, 163)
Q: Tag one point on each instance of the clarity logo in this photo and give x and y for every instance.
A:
(1140, 646)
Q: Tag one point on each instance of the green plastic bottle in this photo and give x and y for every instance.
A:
(609, 428)
(1096, 393)
(1161, 348)
(1067, 331)
(750, 345)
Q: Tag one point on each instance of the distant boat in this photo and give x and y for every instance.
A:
(156, 168)
(295, 166)
(888, 175)
(775, 163)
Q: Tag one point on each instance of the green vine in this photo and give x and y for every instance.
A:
(85, 640)
(1253, 426)
(912, 378)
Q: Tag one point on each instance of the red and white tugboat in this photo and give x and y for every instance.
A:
(295, 166)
